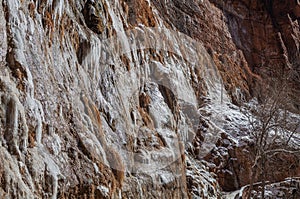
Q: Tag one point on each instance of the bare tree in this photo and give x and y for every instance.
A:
(272, 128)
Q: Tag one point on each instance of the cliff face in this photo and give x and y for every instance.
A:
(268, 34)
(124, 98)
(248, 40)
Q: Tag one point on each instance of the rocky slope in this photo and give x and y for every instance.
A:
(126, 98)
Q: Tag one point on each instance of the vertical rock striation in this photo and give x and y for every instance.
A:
(123, 98)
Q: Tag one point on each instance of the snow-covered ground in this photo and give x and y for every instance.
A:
(289, 188)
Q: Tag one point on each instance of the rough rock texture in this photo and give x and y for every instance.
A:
(120, 99)
(268, 34)
(260, 35)
(232, 163)
(206, 23)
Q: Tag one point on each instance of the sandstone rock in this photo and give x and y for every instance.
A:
(124, 98)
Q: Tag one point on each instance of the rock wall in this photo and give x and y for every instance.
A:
(268, 34)
(103, 99)
(87, 100)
